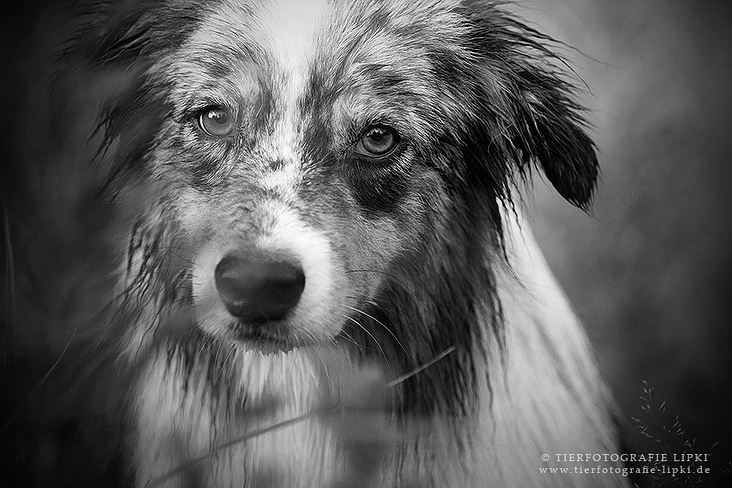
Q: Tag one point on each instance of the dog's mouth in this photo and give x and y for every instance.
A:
(264, 336)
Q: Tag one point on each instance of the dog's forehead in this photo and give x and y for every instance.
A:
(248, 39)
(290, 37)
(284, 30)
(291, 27)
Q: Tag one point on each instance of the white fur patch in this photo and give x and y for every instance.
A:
(291, 28)
(175, 426)
(323, 296)
(316, 316)
(290, 31)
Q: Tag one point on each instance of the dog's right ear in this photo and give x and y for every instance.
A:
(531, 103)
(127, 39)
(132, 31)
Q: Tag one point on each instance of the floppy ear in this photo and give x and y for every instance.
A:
(131, 32)
(531, 101)
(128, 38)
(552, 134)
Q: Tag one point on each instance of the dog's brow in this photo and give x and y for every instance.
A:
(291, 27)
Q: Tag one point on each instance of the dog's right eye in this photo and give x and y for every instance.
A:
(216, 122)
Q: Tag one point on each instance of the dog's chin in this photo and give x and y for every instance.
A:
(267, 338)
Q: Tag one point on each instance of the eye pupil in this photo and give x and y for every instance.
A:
(216, 121)
(379, 140)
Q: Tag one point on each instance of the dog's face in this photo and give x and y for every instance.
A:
(303, 153)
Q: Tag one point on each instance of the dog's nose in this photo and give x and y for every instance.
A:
(257, 288)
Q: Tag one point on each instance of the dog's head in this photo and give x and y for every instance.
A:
(302, 154)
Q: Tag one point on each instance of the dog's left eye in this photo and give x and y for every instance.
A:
(216, 122)
(377, 141)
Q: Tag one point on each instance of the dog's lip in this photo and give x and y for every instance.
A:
(267, 336)
(274, 336)
(247, 331)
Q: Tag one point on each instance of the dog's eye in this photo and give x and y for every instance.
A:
(216, 122)
(377, 141)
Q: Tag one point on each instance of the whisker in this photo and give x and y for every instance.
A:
(349, 338)
(334, 347)
(391, 276)
(386, 359)
(381, 324)
(176, 254)
(373, 303)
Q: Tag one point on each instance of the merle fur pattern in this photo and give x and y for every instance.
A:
(480, 100)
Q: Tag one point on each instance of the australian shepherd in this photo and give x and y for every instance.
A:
(328, 282)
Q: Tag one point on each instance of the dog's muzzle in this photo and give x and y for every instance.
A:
(257, 287)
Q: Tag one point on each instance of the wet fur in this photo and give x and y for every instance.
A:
(406, 259)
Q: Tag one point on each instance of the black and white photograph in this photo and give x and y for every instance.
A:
(366, 243)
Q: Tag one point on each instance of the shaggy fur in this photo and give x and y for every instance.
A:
(411, 258)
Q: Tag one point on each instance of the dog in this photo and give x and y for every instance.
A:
(329, 282)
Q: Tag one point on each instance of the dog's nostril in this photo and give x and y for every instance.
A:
(256, 288)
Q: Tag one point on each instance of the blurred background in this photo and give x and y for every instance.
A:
(649, 271)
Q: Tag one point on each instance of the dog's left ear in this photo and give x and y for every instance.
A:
(531, 102)
(550, 131)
